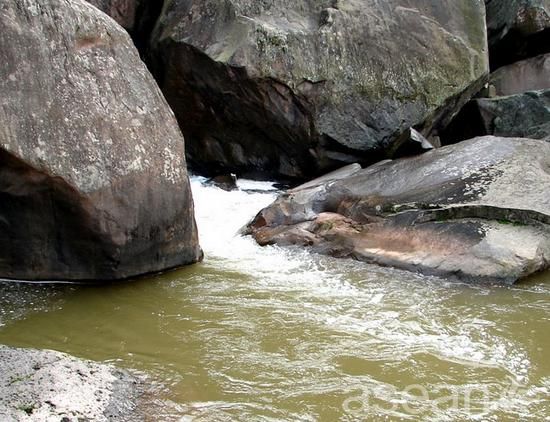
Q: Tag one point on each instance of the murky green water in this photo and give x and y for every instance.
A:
(267, 334)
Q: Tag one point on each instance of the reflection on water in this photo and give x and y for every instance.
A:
(269, 334)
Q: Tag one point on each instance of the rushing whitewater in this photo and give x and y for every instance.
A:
(280, 334)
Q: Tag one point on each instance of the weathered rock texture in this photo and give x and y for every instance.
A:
(93, 181)
(517, 29)
(522, 115)
(478, 210)
(287, 88)
(43, 385)
(527, 75)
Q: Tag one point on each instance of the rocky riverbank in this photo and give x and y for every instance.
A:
(477, 210)
(44, 385)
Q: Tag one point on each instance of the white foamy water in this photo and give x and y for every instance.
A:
(380, 315)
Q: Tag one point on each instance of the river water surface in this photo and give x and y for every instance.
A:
(266, 334)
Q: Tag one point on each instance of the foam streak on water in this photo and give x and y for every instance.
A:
(279, 334)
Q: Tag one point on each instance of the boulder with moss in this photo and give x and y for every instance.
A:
(290, 88)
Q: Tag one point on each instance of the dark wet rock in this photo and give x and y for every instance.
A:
(517, 29)
(93, 181)
(292, 88)
(43, 385)
(527, 75)
(524, 115)
(227, 182)
(478, 210)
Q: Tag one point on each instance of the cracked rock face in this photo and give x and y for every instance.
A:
(478, 210)
(517, 29)
(290, 88)
(93, 181)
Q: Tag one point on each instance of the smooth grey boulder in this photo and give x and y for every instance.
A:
(478, 210)
(525, 115)
(93, 180)
(517, 29)
(291, 88)
(527, 75)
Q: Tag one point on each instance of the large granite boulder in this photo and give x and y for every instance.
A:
(478, 210)
(517, 29)
(526, 75)
(93, 181)
(288, 88)
(525, 115)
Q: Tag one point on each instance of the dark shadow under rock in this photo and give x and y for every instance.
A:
(525, 115)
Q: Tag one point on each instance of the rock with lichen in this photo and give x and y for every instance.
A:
(291, 88)
(93, 180)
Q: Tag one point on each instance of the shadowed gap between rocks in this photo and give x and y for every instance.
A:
(515, 47)
(137, 17)
(147, 15)
(435, 127)
(233, 123)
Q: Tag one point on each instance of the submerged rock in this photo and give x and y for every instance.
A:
(93, 181)
(291, 88)
(227, 182)
(43, 385)
(477, 210)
